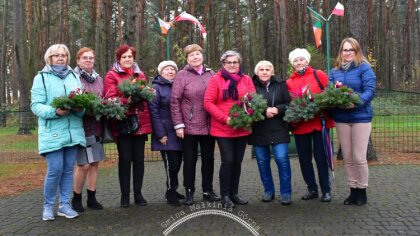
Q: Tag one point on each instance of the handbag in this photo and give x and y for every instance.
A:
(128, 125)
(107, 136)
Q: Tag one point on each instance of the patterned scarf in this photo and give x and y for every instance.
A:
(302, 72)
(229, 89)
(89, 77)
(346, 65)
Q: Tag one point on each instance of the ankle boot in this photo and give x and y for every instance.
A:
(139, 199)
(92, 202)
(351, 199)
(361, 197)
(125, 200)
(171, 198)
(189, 197)
(76, 202)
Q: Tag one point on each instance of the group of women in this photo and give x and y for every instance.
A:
(187, 116)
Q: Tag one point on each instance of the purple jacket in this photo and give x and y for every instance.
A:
(90, 124)
(160, 114)
(187, 101)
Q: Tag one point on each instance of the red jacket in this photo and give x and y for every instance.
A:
(218, 108)
(295, 84)
(112, 79)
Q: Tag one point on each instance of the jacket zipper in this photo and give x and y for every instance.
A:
(68, 116)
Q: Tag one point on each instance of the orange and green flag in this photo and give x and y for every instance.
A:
(317, 27)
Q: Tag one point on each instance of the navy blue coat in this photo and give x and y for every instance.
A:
(363, 81)
(160, 114)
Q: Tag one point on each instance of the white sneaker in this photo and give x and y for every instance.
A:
(48, 213)
(66, 211)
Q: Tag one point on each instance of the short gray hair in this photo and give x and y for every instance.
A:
(53, 50)
(264, 63)
(231, 53)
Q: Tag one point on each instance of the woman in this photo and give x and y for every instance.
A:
(271, 135)
(308, 134)
(88, 158)
(224, 89)
(164, 137)
(192, 122)
(60, 131)
(355, 122)
(130, 146)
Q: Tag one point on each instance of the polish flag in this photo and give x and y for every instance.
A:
(338, 10)
(187, 17)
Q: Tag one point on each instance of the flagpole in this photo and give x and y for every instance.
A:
(168, 45)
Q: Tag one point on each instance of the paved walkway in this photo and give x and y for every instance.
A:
(393, 209)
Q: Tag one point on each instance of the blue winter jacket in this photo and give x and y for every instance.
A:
(363, 81)
(160, 114)
(55, 132)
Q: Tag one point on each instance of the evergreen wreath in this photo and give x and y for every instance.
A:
(336, 95)
(109, 108)
(248, 109)
(76, 99)
(138, 90)
(301, 108)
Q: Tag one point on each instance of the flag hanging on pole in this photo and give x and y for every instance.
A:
(317, 27)
(338, 10)
(187, 17)
(164, 26)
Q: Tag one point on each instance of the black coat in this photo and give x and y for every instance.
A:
(273, 130)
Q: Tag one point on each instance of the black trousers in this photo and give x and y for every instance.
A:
(131, 150)
(305, 145)
(232, 152)
(172, 161)
(190, 148)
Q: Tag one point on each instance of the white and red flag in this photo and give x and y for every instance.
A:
(338, 9)
(187, 17)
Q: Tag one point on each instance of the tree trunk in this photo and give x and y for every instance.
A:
(280, 33)
(19, 61)
(407, 62)
(98, 20)
(3, 71)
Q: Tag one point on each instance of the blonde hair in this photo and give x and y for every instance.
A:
(264, 63)
(53, 50)
(192, 48)
(359, 58)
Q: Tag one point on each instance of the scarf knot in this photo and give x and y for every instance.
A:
(231, 80)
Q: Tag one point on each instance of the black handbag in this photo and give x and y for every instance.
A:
(128, 125)
(107, 136)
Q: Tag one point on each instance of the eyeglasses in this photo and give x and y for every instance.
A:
(59, 55)
(88, 58)
(232, 63)
(349, 50)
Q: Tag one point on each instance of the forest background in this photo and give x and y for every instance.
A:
(388, 30)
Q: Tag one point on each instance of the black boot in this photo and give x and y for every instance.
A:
(125, 200)
(189, 197)
(76, 202)
(351, 199)
(180, 196)
(171, 198)
(361, 197)
(227, 202)
(92, 202)
(139, 199)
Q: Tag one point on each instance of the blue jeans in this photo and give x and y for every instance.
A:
(59, 175)
(281, 156)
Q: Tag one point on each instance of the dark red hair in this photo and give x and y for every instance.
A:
(123, 49)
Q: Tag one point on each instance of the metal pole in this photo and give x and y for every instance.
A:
(327, 29)
(168, 45)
